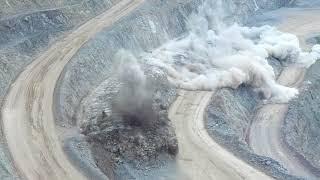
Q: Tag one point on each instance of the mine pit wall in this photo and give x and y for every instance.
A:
(302, 123)
(146, 28)
(27, 29)
(34, 27)
(228, 119)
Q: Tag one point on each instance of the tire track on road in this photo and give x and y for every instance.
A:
(27, 113)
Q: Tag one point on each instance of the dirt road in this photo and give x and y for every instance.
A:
(301, 22)
(265, 134)
(202, 158)
(28, 120)
(199, 156)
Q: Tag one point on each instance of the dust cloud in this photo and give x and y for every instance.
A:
(134, 101)
(215, 55)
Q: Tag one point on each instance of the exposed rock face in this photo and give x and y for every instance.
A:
(27, 28)
(302, 124)
(315, 39)
(135, 134)
(145, 29)
(148, 27)
(231, 111)
(82, 7)
(308, 3)
(228, 120)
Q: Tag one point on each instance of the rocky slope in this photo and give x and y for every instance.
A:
(29, 27)
(301, 128)
(299, 131)
(133, 125)
(228, 119)
(143, 30)
(33, 26)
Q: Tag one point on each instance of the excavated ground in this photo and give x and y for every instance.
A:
(78, 63)
(237, 119)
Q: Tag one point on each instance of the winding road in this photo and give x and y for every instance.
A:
(265, 135)
(29, 123)
(200, 157)
(27, 113)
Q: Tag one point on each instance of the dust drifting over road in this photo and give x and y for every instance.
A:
(265, 135)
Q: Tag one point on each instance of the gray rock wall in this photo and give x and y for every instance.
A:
(27, 28)
(9, 8)
(81, 93)
(32, 29)
(151, 25)
(228, 119)
(230, 112)
(302, 124)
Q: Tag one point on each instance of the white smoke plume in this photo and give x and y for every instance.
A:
(214, 55)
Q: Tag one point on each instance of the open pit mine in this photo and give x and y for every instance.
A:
(159, 89)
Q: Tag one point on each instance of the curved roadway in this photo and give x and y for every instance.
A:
(29, 127)
(28, 120)
(265, 135)
(199, 156)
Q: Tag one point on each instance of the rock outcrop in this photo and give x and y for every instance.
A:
(147, 28)
(28, 27)
(228, 119)
(301, 127)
